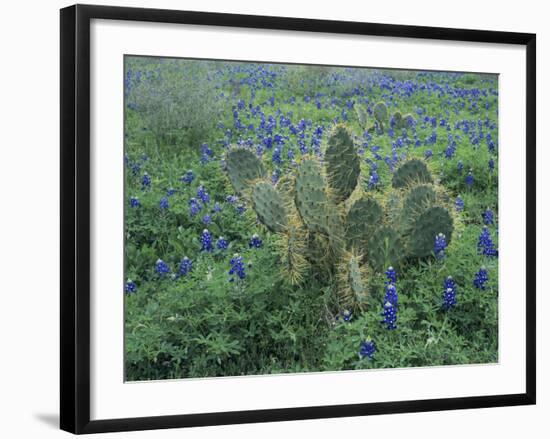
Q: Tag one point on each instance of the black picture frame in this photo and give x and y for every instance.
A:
(75, 217)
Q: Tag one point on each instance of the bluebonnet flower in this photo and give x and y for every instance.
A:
(391, 275)
(391, 295)
(222, 243)
(202, 194)
(373, 179)
(162, 267)
(440, 245)
(231, 199)
(241, 208)
(460, 166)
(217, 207)
(449, 293)
(255, 241)
(145, 181)
(164, 203)
(134, 202)
(428, 153)
(188, 177)
(481, 278)
(488, 217)
(194, 206)
(186, 266)
(206, 241)
(485, 243)
(491, 165)
(367, 349)
(171, 191)
(347, 315)
(130, 287)
(206, 153)
(390, 316)
(470, 179)
(206, 219)
(459, 204)
(237, 267)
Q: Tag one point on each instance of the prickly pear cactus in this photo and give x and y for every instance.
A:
(430, 223)
(410, 173)
(311, 197)
(417, 199)
(363, 217)
(269, 206)
(397, 120)
(352, 281)
(381, 113)
(292, 249)
(342, 164)
(362, 116)
(385, 248)
(243, 168)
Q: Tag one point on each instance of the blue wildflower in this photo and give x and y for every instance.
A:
(391, 275)
(134, 202)
(485, 243)
(459, 166)
(241, 208)
(491, 165)
(231, 199)
(428, 153)
(186, 266)
(449, 293)
(164, 203)
(367, 349)
(130, 287)
(171, 191)
(391, 295)
(373, 179)
(481, 278)
(255, 241)
(440, 245)
(188, 177)
(222, 243)
(237, 267)
(390, 316)
(206, 241)
(202, 194)
(470, 179)
(194, 206)
(347, 315)
(217, 207)
(488, 217)
(145, 181)
(162, 267)
(459, 204)
(206, 219)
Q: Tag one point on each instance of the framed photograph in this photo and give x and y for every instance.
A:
(272, 218)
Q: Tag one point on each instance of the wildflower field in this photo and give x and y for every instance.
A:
(287, 218)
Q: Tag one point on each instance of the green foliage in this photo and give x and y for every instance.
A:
(362, 219)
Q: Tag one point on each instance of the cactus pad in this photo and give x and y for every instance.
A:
(411, 172)
(418, 199)
(311, 197)
(364, 216)
(342, 164)
(243, 167)
(362, 116)
(269, 206)
(381, 113)
(430, 223)
(292, 247)
(385, 249)
(352, 285)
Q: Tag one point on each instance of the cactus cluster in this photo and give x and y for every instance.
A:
(331, 228)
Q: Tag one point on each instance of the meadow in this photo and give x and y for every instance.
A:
(231, 270)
